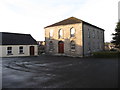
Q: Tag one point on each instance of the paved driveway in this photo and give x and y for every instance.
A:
(59, 72)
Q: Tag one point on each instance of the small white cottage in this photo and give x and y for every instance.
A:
(15, 44)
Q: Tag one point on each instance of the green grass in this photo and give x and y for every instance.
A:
(106, 54)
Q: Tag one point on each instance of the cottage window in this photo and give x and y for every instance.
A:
(60, 33)
(9, 50)
(72, 45)
(72, 32)
(50, 46)
(21, 50)
(88, 33)
(51, 33)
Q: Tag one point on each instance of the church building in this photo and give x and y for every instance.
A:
(73, 37)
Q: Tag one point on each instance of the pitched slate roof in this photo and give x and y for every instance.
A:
(16, 39)
(71, 20)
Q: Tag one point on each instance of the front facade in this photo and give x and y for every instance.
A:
(13, 45)
(73, 37)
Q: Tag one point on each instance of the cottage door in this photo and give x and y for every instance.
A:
(60, 47)
(31, 50)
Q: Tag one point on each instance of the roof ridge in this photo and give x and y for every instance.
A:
(15, 33)
(70, 20)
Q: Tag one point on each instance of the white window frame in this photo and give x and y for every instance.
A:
(21, 50)
(9, 50)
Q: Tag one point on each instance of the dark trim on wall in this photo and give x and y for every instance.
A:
(83, 37)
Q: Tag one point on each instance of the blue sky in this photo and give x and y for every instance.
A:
(31, 16)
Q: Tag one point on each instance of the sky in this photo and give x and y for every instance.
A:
(31, 16)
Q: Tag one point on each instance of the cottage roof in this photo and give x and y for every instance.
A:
(71, 20)
(16, 39)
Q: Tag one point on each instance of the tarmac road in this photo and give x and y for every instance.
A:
(59, 72)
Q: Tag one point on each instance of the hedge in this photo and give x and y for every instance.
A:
(106, 54)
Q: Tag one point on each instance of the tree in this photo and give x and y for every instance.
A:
(116, 36)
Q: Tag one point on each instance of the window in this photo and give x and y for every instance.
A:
(72, 45)
(89, 49)
(60, 33)
(51, 34)
(101, 35)
(72, 32)
(50, 46)
(93, 33)
(88, 33)
(98, 34)
(21, 50)
(9, 50)
(98, 46)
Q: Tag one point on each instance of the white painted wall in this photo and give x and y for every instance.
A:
(15, 50)
(0, 68)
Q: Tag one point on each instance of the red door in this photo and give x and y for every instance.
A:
(31, 50)
(60, 47)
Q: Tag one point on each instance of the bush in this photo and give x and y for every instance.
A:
(113, 50)
(106, 54)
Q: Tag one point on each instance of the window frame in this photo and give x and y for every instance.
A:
(98, 34)
(72, 46)
(51, 46)
(51, 34)
(9, 51)
(72, 34)
(21, 50)
(89, 47)
(93, 33)
(88, 33)
(59, 33)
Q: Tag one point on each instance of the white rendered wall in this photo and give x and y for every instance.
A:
(0, 68)
(15, 50)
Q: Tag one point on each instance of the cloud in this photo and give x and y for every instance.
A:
(102, 13)
(31, 16)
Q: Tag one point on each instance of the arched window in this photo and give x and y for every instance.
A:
(72, 45)
(50, 46)
(51, 33)
(60, 33)
(72, 32)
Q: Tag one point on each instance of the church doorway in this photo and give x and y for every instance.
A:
(60, 47)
